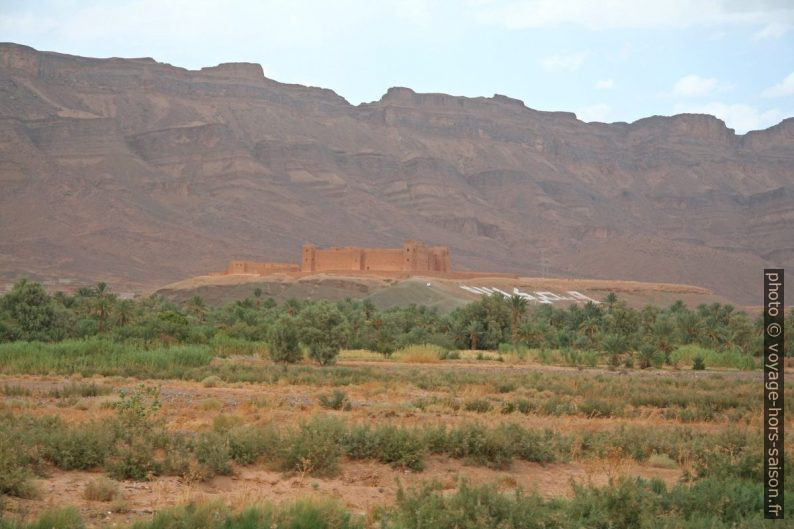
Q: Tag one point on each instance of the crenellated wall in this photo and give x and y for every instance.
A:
(414, 256)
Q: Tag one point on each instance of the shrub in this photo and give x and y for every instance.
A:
(179, 457)
(401, 448)
(135, 461)
(102, 489)
(211, 381)
(421, 354)
(210, 404)
(80, 389)
(284, 341)
(224, 423)
(247, 443)
(315, 447)
(558, 406)
(212, 451)
(398, 447)
(14, 390)
(139, 433)
(15, 478)
(336, 401)
(650, 356)
(525, 406)
(661, 461)
(628, 362)
(698, 364)
(302, 514)
(478, 405)
(79, 448)
(66, 518)
(468, 507)
(447, 354)
(598, 408)
(480, 445)
(529, 445)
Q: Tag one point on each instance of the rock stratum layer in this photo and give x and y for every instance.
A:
(139, 173)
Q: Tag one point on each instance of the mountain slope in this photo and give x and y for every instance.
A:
(140, 173)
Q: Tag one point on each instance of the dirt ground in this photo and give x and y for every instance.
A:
(362, 485)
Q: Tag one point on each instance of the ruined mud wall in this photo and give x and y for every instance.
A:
(252, 267)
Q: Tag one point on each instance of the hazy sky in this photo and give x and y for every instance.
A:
(614, 60)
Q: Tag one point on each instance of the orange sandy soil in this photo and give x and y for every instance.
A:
(360, 486)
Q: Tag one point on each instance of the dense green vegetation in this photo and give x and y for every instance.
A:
(609, 332)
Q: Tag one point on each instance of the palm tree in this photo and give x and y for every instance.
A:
(103, 303)
(473, 331)
(369, 309)
(533, 333)
(123, 312)
(589, 327)
(197, 308)
(518, 308)
(610, 300)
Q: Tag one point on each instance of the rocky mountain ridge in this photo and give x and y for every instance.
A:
(140, 173)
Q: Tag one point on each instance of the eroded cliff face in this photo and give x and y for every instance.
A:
(139, 173)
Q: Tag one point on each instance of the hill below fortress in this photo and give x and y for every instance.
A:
(139, 173)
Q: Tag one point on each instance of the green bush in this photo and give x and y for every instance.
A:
(135, 461)
(63, 518)
(15, 478)
(470, 507)
(525, 406)
(400, 448)
(480, 445)
(315, 447)
(212, 381)
(81, 447)
(247, 444)
(212, 451)
(478, 405)
(698, 364)
(447, 354)
(599, 408)
(302, 514)
(336, 401)
(80, 389)
(285, 341)
(15, 390)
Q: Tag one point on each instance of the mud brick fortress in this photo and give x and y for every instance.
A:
(413, 257)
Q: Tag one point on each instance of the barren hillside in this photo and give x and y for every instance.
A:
(140, 173)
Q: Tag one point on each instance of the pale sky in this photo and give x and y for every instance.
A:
(614, 60)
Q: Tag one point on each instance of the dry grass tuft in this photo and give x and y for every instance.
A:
(661, 461)
(210, 404)
(211, 382)
(102, 489)
(419, 354)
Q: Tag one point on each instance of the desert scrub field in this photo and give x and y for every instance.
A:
(311, 414)
(385, 449)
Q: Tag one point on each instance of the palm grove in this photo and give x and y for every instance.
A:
(609, 332)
